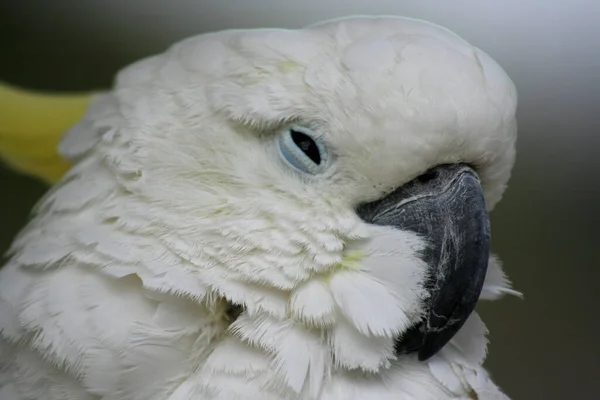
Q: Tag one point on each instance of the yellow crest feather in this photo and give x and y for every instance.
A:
(31, 126)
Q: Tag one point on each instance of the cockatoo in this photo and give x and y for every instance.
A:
(270, 214)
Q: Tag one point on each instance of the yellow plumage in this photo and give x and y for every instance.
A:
(31, 125)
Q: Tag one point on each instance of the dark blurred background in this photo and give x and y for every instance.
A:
(545, 229)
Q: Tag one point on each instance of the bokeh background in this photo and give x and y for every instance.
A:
(545, 229)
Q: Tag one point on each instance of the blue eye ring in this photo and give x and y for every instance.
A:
(302, 150)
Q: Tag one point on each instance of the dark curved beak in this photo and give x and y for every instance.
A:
(446, 207)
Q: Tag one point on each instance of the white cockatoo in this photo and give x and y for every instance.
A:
(270, 214)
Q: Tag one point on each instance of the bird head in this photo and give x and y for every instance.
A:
(333, 180)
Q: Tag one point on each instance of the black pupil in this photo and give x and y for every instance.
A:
(307, 145)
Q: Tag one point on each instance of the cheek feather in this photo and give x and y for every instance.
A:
(344, 319)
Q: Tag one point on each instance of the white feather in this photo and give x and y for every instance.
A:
(355, 351)
(496, 283)
(312, 303)
(295, 350)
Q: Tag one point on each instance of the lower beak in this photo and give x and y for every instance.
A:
(446, 207)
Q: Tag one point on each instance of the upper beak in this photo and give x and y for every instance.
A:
(446, 207)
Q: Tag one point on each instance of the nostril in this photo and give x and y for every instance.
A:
(428, 176)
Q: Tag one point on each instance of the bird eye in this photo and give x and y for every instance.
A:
(302, 150)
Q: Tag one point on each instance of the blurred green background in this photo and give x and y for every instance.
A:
(545, 229)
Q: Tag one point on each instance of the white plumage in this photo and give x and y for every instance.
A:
(179, 205)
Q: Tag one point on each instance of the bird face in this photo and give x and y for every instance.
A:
(333, 182)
